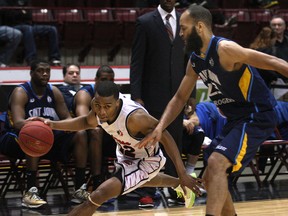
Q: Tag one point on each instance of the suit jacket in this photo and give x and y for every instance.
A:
(157, 64)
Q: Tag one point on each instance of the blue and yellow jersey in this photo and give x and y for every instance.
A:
(238, 93)
(36, 106)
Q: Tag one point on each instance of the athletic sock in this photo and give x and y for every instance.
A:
(189, 168)
(97, 180)
(31, 179)
(79, 177)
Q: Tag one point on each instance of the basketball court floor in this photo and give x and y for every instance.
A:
(269, 200)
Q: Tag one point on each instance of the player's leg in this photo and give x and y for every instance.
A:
(216, 184)
(99, 196)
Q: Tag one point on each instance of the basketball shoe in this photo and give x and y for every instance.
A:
(31, 199)
(81, 194)
(190, 195)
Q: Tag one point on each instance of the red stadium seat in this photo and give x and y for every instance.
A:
(73, 28)
(128, 19)
(43, 16)
(260, 15)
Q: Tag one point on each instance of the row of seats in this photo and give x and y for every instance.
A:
(108, 25)
(130, 14)
(82, 3)
(134, 3)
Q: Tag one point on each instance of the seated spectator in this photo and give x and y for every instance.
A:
(72, 83)
(37, 98)
(9, 39)
(22, 20)
(264, 42)
(205, 121)
(99, 142)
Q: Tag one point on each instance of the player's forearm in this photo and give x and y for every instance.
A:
(73, 124)
(173, 152)
(173, 109)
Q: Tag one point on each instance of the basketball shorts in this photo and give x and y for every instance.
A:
(240, 140)
(135, 173)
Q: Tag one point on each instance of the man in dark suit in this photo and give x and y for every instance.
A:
(157, 66)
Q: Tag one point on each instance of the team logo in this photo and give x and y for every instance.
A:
(32, 100)
(120, 133)
(193, 64)
(211, 62)
(49, 99)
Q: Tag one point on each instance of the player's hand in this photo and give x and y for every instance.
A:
(150, 139)
(37, 118)
(189, 126)
(192, 183)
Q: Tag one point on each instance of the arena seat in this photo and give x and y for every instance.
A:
(242, 15)
(43, 16)
(127, 17)
(105, 31)
(73, 28)
(260, 15)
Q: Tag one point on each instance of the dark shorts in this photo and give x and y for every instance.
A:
(108, 145)
(192, 143)
(60, 151)
(240, 140)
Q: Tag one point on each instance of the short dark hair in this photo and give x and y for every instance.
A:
(104, 68)
(35, 63)
(107, 88)
(67, 66)
(199, 13)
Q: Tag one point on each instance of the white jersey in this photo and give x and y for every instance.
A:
(125, 142)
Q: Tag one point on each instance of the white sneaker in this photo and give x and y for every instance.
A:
(31, 199)
(80, 195)
(190, 195)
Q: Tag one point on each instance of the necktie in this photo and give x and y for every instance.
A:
(168, 27)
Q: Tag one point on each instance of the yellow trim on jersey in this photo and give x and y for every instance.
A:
(242, 153)
(244, 82)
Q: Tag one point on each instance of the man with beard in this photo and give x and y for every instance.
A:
(156, 70)
(239, 92)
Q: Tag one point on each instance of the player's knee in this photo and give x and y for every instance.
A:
(217, 163)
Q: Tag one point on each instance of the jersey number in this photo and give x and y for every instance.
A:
(127, 150)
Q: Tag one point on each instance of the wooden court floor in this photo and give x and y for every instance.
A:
(277, 207)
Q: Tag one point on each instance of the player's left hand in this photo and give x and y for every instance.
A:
(192, 183)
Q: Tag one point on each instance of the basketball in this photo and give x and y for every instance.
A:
(36, 138)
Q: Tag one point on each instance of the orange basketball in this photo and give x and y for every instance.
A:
(36, 138)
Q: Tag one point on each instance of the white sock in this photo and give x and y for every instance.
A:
(189, 168)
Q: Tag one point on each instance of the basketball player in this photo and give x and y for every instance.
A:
(128, 122)
(37, 98)
(96, 137)
(237, 89)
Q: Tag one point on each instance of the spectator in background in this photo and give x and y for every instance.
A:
(264, 42)
(72, 83)
(278, 25)
(156, 70)
(9, 40)
(99, 143)
(21, 19)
